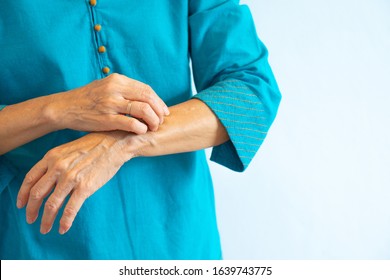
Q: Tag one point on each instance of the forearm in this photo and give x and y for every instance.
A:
(98, 106)
(96, 157)
(191, 126)
(24, 122)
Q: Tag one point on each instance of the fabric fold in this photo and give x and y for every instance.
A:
(233, 77)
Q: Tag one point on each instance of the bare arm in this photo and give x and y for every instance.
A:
(98, 106)
(24, 122)
(191, 126)
(98, 156)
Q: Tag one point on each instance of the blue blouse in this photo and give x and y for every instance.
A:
(52, 46)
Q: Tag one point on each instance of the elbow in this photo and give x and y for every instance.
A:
(275, 98)
(267, 92)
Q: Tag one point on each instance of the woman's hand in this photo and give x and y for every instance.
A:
(79, 168)
(76, 169)
(103, 105)
(98, 106)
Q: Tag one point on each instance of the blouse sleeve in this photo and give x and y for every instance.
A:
(233, 77)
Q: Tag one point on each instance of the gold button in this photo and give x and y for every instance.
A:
(106, 70)
(97, 27)
(92, 2)
(102, 49)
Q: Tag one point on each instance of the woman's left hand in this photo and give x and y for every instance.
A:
(76, 169)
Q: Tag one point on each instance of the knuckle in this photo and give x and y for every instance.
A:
(77, 177)
(35, 194)
(70, 212)
(148, 89)
(51, 206)
(29, 178)
(147, 92)
(52, 154)
(71, 178)
(115, 76)
(145, 108)
(111, 77)
(60, 166)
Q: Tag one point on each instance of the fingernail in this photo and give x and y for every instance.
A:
(62, 231)
(19, 204)
(161, 121)
(166, 111)
(30, 220)
(45, 231)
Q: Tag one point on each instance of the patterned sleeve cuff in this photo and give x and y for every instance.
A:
(244, 117)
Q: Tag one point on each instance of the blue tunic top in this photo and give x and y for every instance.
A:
(153, 208)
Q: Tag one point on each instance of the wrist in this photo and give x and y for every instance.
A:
(138, 145)
(125, 145)
(51, 112)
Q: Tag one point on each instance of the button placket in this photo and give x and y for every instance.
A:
(100, 46)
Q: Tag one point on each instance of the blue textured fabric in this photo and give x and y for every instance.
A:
(153, 208)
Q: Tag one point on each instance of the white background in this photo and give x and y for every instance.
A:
(320, 186)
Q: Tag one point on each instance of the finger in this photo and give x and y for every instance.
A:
(56, 200)
(131, 89)
(144, 111)
(71, 209)
(32, 177)
(47, 226)
(37, 194)
(138, 91)
(145, 91)
(129, 124)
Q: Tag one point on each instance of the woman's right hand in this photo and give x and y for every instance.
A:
(103, 105)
